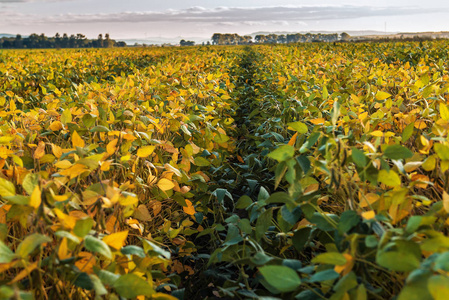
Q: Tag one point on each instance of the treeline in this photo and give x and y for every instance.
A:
(65, 41)
(235, 39)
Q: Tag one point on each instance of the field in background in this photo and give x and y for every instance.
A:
(309, 171)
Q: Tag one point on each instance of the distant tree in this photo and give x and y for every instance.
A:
(57, 40)
(345, 37)
(65, 40)
(282, 39)
(18, 43)
(99, 41)
(108, 43)
(216, 38)
(186, 43)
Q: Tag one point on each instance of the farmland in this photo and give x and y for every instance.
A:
(315, 171)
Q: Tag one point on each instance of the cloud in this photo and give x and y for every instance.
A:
(240, 14)
(231, 15)
(21, 1)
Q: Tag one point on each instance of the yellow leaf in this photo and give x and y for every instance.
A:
(421, 180)
(363, 116)
(57, 151)
(110, 148)
(35, 199)
(189, 209)
(430, 163)
(444, 112)
(293, 140)
(368, 199)
(63, 249)
(420, 124)
(74, 171)
(317, 121)
(377, 133)
(5, 152)
(165, 184)
(142, 213)
(86, 263)
(347, 267)
(40, 150)
(12, 105)
(382, 96)
(412, 166)
(116, 240)
(129, 200)
(368, 215)
(446, 201)
(77, 141)
(389, 178)
(66, 220)
(24, 273)
(145, 151)
(55, 126)
(105, 166)
(129, 137)
(63, 164)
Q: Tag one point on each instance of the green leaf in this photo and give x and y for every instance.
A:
(98, 285)
(348, 220)
(408, 132)
(99, 128)
(107, 277)
(233, 236)
(346, 283)
(201, 162)
(282, 278)
(30, 243)
(382, 96)
(6, 255)
(279, 197)
(282, 153)
(401, 256)
(325, 93)
(442, 262)
(397, 152)
(68, 235)
(18, 199)
(66, 116)
(389, 178)
(300, 238)
(438, 286)
(95, 245)
(359, 158)
(263, 223)
(150, 246)
(245, 226)
(441, 150)
(299, 127)
(30, 182)
(133, 250)
(221, 138)
(330, 258)
(243, 202)
(7, 188)
(416, 291)
(83, 226)
(324, 276)
(83, 281)
(131, 286)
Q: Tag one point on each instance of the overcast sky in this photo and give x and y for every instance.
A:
(201, 18)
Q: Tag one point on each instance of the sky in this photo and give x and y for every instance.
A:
(126, 19)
